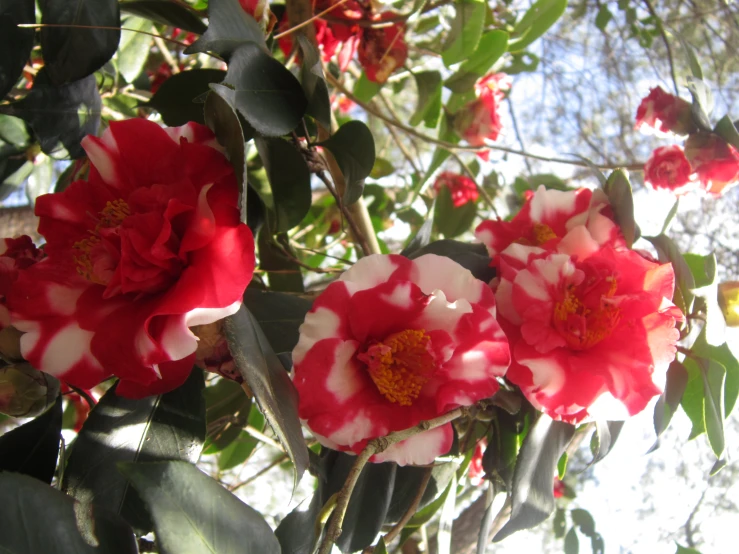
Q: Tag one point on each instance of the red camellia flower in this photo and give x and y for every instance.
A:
(148, 246)
(15, 255)
(382, 50)
(559, 488)
(667, 168)
(476, 472)
(714, 161)
(479, 121)
(394, 342)
(591, 327)
(548, 215)
(463, 189)
(665, 113)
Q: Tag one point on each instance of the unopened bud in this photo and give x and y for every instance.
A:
(25, 391)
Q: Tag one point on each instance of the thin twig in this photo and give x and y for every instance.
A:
(308, 21)
(358, 236)
(275, 462)
(662, 33)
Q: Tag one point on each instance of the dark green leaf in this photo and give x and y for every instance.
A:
(703, 268)
(421, 239)
(270, 383)
(562, 466)
(283, 272)
(620, 196)
(354, 149)
(664, 409)
(428, 108)
(695, 66)
(364, 89)
(39, 519)
(466, 31)
(179, 99)
(532, 496)
(229, 27)
(262, 90)
(586, 524)
(72, 52)
(702, 103)
(33, 448)
(470, 256)
(297, 530)
(606, 433)
(572, 543)
(686, 550)
(237, 452)
(669, 252)
(714, 377)
(15, 43)
(449, 220)
(13, 132)
(492, 46)
(279, 316)
(535, 22)
(314, 83)
(559, 523)
(289, 179)
(173, 13)
(62, 114)
(603, 17)
(381, 548)
(194, 513)
(726, 130)
(381, 168)
(522, 62)
(408, 480)
(166, 427)
(670, 216)
(227, 409)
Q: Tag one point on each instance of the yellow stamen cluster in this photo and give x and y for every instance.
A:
(543, 233)
(111, 215)
(583, 327)
(400, 365)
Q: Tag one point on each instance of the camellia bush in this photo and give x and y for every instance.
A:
(214, 270)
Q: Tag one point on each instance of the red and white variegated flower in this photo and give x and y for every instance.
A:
(394, 342)
(663, 114)
(548, 215)
(591, 327)
(16, 255)
(148, 246)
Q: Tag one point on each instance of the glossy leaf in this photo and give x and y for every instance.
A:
(586, 524)
(270, 383)
(421, 239)
(606, 433)
(237, 452)
(364, 89)
(428, 108)
(297, 530)
(289, 180)
(39, 519)
(166, 427)
(180, 98)
(466, 31)
(76, 45)
(572, 542)
(666, 406)
(702, 106)
(726, 130)
(470, 256)
(449, 220)
(229, 27)
(263, 90)
(283, 272)
(33, 448)
(408, 479)
(492, 46)
(532, 496)
(714, 378)
(703, 268)
(60, 116)
(279, 315)
(173, 13)
(227, 409)
(194, 513)
(559, 523)
(620, 197)
(669, 252)
(15, 43)
(354, 149)
(535, 22)
(314, 83)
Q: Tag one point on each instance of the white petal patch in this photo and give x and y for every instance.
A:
(441, 273)
(62, 300)
(343, 379)
(320, 324)
(68, 347)
(102, 160)
(400, 297)
(548, 377)
(548, 202)
(203, 316)
(504, 302)
(177, 340)
(418, 450)
(368, 272)
(355, 430)
(532, 285)
(443, 315)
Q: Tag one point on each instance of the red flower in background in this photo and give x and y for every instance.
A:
(383, 50)
(667, 168)
(479, 121)
(476, 472)
(463, 189)
(665, 113)
(148, 246)
(15, 255)
(394, 342)
(559, 489)
(714, 161)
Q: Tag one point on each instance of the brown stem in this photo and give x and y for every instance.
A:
(358, 235)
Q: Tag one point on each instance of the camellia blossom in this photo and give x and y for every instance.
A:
(668, 168)
(462, 188)
(479, 121)
(548, 215)
(664, 113)
(148, 246)
(715, 162)
(382, 50)
(394, 342)
(591, 327)
(15, 255)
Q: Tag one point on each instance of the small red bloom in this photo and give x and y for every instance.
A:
(667, 168)
(559, 488)
(665, 113)
(714, 161)
(394, 342)
(479, 121)
(550, 214)
(476, 472)
(148, 246)
(462, 188)
(15, 255)
(383, 50)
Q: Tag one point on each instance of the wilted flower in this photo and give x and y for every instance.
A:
(148, 246)
(665, 113)
(382, 51)
(394, 342)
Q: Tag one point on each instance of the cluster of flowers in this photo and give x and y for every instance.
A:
(381, 49)
(706, 159)
(151, 244)
(583, 325)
